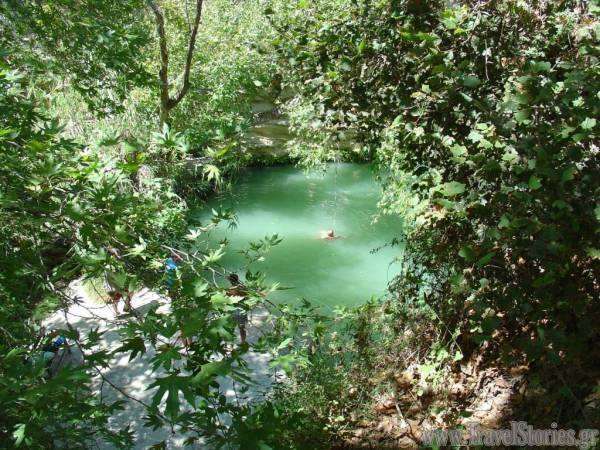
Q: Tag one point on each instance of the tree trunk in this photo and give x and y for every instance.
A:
(167, 103)
(164, 114)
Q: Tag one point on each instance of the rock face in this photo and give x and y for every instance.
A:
(270, 132)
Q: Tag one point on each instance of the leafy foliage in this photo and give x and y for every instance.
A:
(482, 117)
(235, 64)
(96, 44)
(70, 210)
(60, 210)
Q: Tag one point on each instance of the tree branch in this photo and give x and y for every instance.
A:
(164, 54)
(190, 55)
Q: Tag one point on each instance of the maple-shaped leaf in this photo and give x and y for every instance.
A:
(171, 385)
(220, 328)
(165, 356)
(211, 370)
(134, 345)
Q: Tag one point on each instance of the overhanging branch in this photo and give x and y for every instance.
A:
(164, 52)
(190, 54)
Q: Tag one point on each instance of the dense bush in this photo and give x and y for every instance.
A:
(234, 66)
(61, 208)
(100, 199)
(95, 44)
(483, 119)
(67, 212)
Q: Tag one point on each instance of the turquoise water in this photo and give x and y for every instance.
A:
(299, 206)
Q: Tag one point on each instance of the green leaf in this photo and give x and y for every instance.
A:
(19, 434)
(592, 252)
(285, 343)
(569, 173)
(540, 66)
(138, 249)
(522, 116)
(211, 370)
(467, 253)
(288, 362)
(485, 259)
(214, 255)
(504, 221)
(193, 323)
(14, 354)
(451, 188)
(458, 150)
(220, 301)
(219, 328)
(458, 283)
(200, 288)
(361, 47)
(475, 136)
(534, 182)
(510, 156)
(467, 98)
(566, 131)
(471, 81)
(588, 123)
(171, 385)
(450, 22)
(134, 345)
(212, 173)
(165, 356)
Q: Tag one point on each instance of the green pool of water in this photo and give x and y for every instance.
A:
(298, 206)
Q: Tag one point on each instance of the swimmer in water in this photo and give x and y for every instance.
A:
(328, 234)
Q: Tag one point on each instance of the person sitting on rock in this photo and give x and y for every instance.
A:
(118, 285)
(171, 265)
(52, 347)
(117, 289)
(57, 354)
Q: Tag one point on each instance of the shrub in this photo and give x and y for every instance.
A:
(483, 120)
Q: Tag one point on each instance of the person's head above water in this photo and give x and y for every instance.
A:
(234, 279)
(327, 234)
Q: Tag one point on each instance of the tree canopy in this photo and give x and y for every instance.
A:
(118, 118)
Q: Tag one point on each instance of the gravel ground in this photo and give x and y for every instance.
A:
(128, 380)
